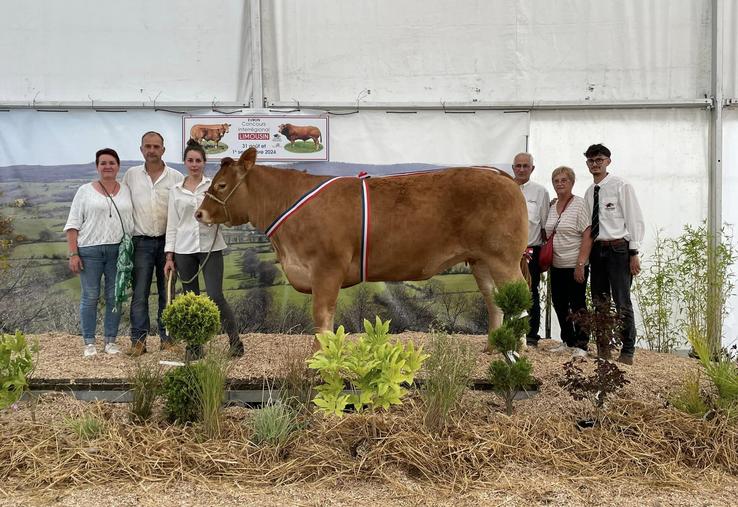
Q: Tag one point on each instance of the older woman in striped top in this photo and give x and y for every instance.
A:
(572, 243)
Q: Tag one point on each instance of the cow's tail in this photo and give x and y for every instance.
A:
(524, 267)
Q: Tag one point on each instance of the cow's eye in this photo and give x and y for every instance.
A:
(221, 186)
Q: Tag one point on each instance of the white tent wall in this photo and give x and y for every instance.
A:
(501, 50)
(730, 208)
(137, 50)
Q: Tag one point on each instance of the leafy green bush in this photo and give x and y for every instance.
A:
(273, 424)
(512, 374)
(191, 318)
(16, 364)
(449, 368)
(374, 368)
(180, 392)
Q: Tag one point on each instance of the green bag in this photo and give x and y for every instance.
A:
(124, 274)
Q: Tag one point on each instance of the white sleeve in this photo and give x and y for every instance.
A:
(76, 212)
(172, 222)
(633, 217)
(545, 206)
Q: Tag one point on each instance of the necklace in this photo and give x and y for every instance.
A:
(109, 200)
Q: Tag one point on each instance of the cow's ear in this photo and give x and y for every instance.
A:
(226, 161)
(248, 158)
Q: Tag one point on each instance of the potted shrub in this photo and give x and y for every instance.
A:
(193, 319)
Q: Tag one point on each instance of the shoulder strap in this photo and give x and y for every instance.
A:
(122, 227)
(561, 214)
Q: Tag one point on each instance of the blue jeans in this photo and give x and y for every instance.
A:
(98, 261)
(148, 257)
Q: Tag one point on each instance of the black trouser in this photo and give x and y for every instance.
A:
(611, 276)
(569, 297)
(535, 309)
(187, 266)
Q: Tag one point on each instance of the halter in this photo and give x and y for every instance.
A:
(224, 202)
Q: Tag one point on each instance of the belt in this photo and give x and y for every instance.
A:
(610, 242)
(150, 237)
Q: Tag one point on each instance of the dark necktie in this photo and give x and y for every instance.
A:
(595, 230)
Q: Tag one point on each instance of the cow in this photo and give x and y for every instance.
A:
(420, 224)
(213, 133)
(295, 132)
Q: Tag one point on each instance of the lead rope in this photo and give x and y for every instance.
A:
(207, 257)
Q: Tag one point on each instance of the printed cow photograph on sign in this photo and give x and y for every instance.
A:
(209, 136)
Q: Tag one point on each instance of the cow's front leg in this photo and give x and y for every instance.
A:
(325, 294)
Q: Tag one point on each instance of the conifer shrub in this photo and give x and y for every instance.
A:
(192, 318)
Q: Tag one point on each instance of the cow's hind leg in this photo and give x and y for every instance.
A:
(487, 286)
(325, 294)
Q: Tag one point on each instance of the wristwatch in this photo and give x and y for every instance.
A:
(632, 253)
(73, 254)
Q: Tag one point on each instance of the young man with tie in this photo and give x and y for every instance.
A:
(617, 231)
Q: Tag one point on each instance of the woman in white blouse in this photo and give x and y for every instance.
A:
(188, 243)
(99, 213)
(571, 246)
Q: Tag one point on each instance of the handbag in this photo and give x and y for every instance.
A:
(124, 266)
(546, 255)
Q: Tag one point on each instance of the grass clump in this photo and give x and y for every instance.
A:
(273, 424)
(209, 380)
(146, 381)
(690, 398)
(448, 368)
(86, 427)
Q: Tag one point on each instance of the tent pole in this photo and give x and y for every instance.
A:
(714, 305)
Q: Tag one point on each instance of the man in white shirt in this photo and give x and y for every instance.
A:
(537, 200)
(617, 232)
(150, 184)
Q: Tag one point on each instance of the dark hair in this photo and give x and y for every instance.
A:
(106, 151)
(193, 145)
(597, 149)
(155, 133)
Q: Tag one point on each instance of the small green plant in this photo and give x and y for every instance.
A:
(374, 368)
(273, 424)
(145, 379)
(449, 367)
(655, 291)
(191, 318)
(690, 398)
(179, 390)
(721, 370)
(16, 365)
(704, 284)
(209, 388)
(606, 379)
(86, 427)
(512, 374)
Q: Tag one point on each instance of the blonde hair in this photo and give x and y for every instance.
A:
(562, 169)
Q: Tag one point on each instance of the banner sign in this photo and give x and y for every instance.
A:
(277, 138)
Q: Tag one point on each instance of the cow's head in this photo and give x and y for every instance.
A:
(225, 127)
(285, 129)
(226, 201)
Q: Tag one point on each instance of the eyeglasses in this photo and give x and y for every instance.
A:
(596, 161)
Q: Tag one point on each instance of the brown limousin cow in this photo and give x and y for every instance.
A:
(213, 133)
(421, 224)
(295, 132)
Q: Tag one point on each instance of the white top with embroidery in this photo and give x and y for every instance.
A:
(568, 238)
(150, 199)
(185, 235)
(537, 201)
(94, 216)
(619, 212)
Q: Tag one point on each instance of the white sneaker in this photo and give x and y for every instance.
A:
(90, 350)
(562, 347)
(577, 352)
(112, 348)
